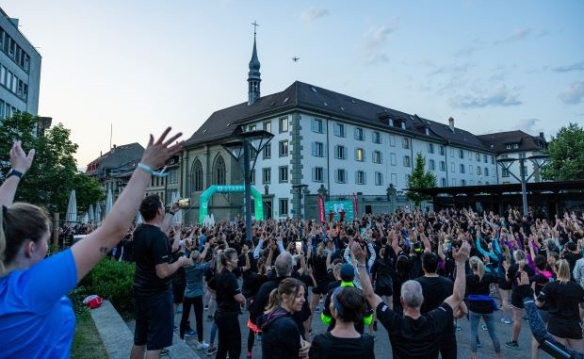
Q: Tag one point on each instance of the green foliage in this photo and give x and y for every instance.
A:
(112, 280)
(87, 343)
(420, 178)
(77, 295)
(566, 153)
(50, 179)
(87, 190)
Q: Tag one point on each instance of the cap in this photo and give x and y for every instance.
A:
(347, 272)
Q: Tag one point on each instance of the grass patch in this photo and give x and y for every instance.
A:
(87, 343)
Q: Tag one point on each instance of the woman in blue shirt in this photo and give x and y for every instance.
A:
(36, 319)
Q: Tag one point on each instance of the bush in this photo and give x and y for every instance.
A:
(112, 280)
(77, 295)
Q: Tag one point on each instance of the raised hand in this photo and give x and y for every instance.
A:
(462, 253)
(159, 151)
(19, 160)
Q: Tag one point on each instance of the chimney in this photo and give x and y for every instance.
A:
(542, 136)
(451, 124)
(113, 150)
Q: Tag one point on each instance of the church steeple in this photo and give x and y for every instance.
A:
(254, 78)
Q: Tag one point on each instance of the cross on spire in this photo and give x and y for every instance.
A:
(255, 25)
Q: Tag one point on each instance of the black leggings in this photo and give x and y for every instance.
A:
(197, 303)
(229, 335)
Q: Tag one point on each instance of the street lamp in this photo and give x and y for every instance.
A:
(240, 147)
(537, 160)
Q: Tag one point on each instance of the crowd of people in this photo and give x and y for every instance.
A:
(414, 273)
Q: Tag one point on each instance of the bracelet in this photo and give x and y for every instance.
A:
(171, 212)
(361, 265)
(14, 172)
(151, 171)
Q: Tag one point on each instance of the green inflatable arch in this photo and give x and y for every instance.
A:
(257, 196)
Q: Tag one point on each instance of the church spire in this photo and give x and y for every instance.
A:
(254, 78)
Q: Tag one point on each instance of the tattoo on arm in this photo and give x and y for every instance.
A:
(103, 250)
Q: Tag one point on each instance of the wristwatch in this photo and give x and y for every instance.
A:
(14, 172)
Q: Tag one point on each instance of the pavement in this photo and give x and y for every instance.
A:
(382, 345)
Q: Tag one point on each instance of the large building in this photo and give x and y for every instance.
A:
(325, 139)
(20, 70)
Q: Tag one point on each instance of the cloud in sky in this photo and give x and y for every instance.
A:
(500, 97)
(521, 34)
(528, 125)
(573, 94)
(308, 16)
(376, 39)
(579, 66)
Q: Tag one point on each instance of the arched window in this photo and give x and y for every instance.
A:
(198, 175)
(219, 171)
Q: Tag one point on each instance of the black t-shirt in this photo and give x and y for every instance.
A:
(563, 299)
(435, 290)
(151, 247)
(479, 287)
(227, 289)
(319, 269)
(415, 338)
(326, 345)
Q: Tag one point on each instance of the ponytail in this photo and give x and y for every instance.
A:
(476, 264)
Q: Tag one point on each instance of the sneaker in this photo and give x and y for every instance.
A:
(206, 307)
(202, 346)
(479, 344)
(506, 320)
(191, 333)
(484, 327)
(211, 350)
(512, 344)
(175, 328)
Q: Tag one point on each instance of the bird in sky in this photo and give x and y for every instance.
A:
(295, 59)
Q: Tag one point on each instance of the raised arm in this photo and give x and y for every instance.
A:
(88, 252)
(460, 257)
(360, 255)
(20, 162)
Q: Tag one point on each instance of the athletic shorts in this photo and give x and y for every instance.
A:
(154, 321)
(503, 284)
(562, 328)
(321, 288)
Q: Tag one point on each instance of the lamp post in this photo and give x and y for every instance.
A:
(240, 148)
(537, 160)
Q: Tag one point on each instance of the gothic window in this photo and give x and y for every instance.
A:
(219, 172)
(198, 175)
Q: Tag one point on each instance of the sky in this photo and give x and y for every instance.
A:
(128, 68)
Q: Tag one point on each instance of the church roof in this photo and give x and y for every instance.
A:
(304, 97)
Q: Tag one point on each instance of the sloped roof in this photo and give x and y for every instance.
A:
(498, 141)
(301, 96)
(118, 157)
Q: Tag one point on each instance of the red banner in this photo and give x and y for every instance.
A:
(321, 209)
(355, 206)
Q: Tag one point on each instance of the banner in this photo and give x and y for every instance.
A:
(339, 210)
(321, 209)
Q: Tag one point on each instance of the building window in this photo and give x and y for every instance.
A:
(341, 176)
(340, 152)
(504, 172)
(430, 148)
(485, 159)
(340, 130)
(442, 150)
(317, 174)
(486, 171)
(266, 175)
(470, 168)
(198, 175)
(376, 137)
(268, 126)
(442, 166)
(452, 152)
(469, 154)
(477, 157)
(220, 171)
(394, 179)
(406, 143)
(360, 177)
(316, 125)
(392, 140)
(318, 149)
(393, 159)
(479, 172)
(359, 133)
(443, 182)
(267, 151)
(360, 155)
(492, 160)
(378, 179)
(251, 127)
(471, 182)
(453, 182)
(461, 153)
(283, 202)
(283, 173)
(432, 165)
(253, 176)
(452, 168)
(463, 182)
(284, 124)
(461, 168)
(283, 148)
(376, 156)
(406, 161)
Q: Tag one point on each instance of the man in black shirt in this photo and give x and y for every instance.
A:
(435, 290)
(415, 337)
(152, 280)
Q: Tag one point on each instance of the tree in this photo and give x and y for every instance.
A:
(88, 191)
(566, 151)
(51, 176)
(420, 178)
